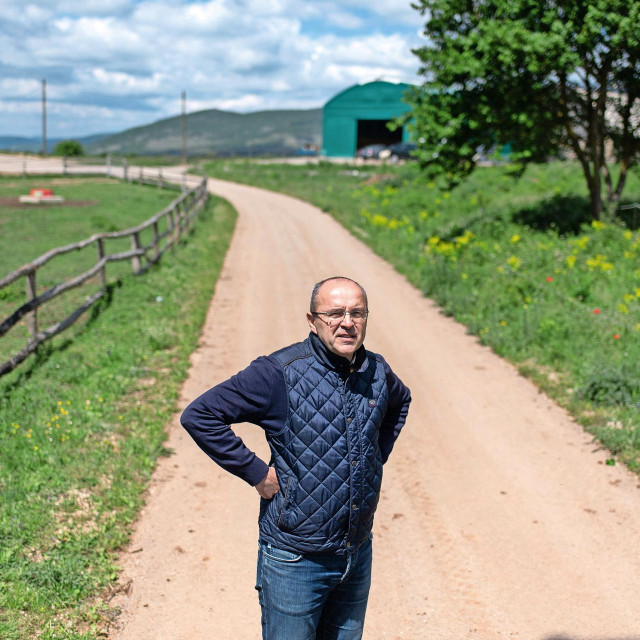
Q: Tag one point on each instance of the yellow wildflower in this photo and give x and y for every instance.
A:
(378, 220)
(599, 261)
(581, 243)
(514, 262)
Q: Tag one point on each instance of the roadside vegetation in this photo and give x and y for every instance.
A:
(82, 423)
(520, 262)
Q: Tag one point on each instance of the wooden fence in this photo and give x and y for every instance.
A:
(177, 218)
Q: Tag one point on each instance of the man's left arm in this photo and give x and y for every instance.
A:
(396, 415)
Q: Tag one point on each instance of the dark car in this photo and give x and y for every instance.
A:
(402, 151)
(370, 152)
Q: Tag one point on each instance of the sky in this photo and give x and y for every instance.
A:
(114, 64)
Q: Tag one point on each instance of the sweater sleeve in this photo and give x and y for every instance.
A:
(396, 415)
(257, 395)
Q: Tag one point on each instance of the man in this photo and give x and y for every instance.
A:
(331, 412)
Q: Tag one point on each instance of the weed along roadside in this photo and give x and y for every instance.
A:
(83, 423)
(519, 262)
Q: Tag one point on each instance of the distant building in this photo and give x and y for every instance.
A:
(358, 117)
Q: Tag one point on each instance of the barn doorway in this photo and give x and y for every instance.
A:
(376, 132)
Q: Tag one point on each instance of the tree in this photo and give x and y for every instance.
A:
(68, 148)
(542, 76)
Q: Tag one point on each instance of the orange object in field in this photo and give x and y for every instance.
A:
(41, 193)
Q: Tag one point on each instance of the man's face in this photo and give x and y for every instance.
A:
(343, 336)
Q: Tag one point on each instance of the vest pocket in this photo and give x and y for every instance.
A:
(286, 517)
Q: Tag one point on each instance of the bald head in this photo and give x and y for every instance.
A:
(338, 315)
(328, 282)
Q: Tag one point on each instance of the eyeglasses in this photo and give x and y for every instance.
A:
(336, 316)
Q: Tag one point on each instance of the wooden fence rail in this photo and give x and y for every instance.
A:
(178, 218)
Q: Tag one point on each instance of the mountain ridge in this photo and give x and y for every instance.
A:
(224, 133)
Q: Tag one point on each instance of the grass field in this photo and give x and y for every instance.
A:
(519, 262)
(91, 205)
(82, 423)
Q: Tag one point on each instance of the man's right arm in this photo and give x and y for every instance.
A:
(256, 394)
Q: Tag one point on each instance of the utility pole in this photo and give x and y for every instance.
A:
(44, 117)
(184, 127)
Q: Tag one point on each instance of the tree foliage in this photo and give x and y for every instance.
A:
(545, 77)
(68, 148)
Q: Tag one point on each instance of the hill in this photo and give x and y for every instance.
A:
(222, 133)
(34, 144)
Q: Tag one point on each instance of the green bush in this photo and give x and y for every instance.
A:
(611, 386)
(69, 148)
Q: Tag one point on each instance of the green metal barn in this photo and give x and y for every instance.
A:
(358, 116)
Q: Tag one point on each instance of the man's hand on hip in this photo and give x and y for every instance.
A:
(268, 486)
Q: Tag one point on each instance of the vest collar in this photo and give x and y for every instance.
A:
(335, 362)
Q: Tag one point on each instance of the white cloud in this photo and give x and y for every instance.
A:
(118, 63)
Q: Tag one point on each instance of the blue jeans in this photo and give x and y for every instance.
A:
(315, 596)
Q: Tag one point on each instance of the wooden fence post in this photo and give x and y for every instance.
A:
(64, 165)
(125, 169)
(156, 241)
(160, 178)
(178, 223)
(135, 260)
(32, 316)
(103, 271)
(181, 218)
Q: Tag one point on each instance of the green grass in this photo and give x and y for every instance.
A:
(26, 233)
(517, 261)
(81, 427)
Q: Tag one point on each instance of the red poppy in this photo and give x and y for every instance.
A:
(596, 311)
(616, 336)
(549, 279)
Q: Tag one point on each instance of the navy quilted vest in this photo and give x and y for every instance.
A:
(326, 457)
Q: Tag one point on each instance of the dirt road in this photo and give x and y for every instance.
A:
(498, 517)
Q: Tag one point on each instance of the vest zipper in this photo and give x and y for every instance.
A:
(351, 468)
